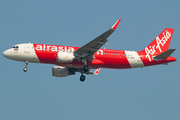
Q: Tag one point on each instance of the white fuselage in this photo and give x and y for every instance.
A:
(22, 52)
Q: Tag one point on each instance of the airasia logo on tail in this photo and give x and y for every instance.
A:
(150, 50)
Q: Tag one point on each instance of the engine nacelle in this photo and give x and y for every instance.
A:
(59, 71)
(65, 57)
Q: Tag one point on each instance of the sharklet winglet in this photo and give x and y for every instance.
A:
(115, 25)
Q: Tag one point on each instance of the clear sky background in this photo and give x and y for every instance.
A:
(150, 93)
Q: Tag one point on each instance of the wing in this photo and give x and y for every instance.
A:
(90, 48)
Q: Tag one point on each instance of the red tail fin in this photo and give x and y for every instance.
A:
(159, 45)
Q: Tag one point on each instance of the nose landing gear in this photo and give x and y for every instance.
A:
(25, 68)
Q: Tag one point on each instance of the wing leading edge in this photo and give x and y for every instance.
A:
(90, 48)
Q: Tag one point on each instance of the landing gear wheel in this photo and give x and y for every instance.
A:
(26, 65)
(86, 68)
(82, 78)
(25, 69)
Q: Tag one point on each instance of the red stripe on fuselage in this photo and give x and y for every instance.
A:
(104, 58)
(113, 58)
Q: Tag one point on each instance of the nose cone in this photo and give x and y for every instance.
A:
(5, 53)
(8, 54)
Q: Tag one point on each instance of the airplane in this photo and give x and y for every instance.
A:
(69, 59)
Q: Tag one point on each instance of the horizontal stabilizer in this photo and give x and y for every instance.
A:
(164, 55)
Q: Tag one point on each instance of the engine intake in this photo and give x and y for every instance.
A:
(65, 57)
(59, 71)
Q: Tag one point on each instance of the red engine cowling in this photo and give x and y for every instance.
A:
(65, 57)
(59, 71)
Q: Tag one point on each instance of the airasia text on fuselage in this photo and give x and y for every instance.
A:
(54, 48)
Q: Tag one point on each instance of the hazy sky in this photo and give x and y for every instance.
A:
(150, 93)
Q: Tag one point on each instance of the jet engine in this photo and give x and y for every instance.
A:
(59, 71)
(65, 57)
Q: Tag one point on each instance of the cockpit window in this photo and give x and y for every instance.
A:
(15, 47)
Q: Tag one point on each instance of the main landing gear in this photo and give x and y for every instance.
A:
(84, 70)
(25, 68)
(82, 78)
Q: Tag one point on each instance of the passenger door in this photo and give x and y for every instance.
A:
(27, 48)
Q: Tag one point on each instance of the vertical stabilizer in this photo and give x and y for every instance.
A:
(159, 45)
